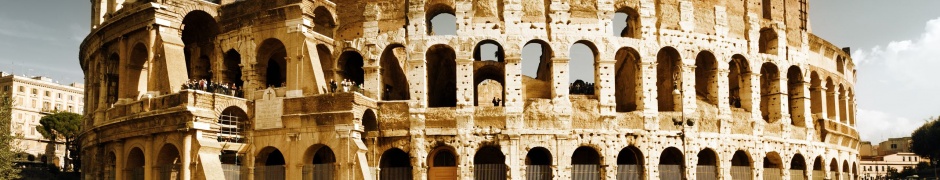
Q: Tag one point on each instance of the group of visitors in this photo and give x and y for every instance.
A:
(580, 87)
(348, 85)
(214, 87)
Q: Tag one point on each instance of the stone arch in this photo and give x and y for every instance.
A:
(818, 164)
(833, 169)
(537, 81)
(628, 25)
(199, 30)
(233, 70)
(395, 163)
(706, 77)
(538, 163)
(369, 121)
(767, 43)
(137, 72)
(796, 95)
(842, 105)
(350, 65)
(326, 61)
(272, 63)
(840, 64)
(845, 168)
(627, 76)
(395, 83)
(818, 93)
(486, 79)
(439, 10)
(581, 61)
(323, 21)
(707, 166)
(671, 164)
(798, 166)
(112, 78)
(773, 165)
(585, 162)
(442, 76)
(485, 46)
(630, 163)
(831, 98)
(442, 162)
(769, 89)
(169, 162)
(739, 82)
(270, 162)
(489, 163)
(110, 166)
(741, 165)
(134, 165)
(233, 121)
(321, 162)
(668, 77)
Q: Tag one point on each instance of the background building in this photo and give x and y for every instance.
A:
(876, 167)
(894, 145)
(33, 98)
(722, 89)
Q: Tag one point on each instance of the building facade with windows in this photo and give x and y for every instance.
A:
(876, 167)
(33, 98)
(371, 89)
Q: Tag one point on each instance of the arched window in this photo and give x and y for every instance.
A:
(322, 163)
(395, 83)
(269, 164)
(489, 74)
(798, 167)
(817, 96)
(441, 20)
(842, 105)
(706, 77)
(584, 56)
(585, 162)
(443, 163)
(773, 165)
(769, 88)
(818, 165)
(626, 23)
(767, 43)
(233, 71)
(831, 100)
(489, 163)
(323, 21)
(741, 165)
(707, 166)
(538, 164)
(395, 164)
(350, 64)
(537, 69)
(199, 32)
(671, 164)
(630, 163)
(739, 82)
(796, 96)
(168, 162)
(137, 72)
(232, 124)
(627, 75)
(112, 79)
(442, 76)
(134, 165)
(840, 65)
(272, 63)
(668, 79)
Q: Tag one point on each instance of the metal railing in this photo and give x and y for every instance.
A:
(628, 172)
(797, 174)
(741, 173)
(706, 172)
(318, 171)
(395, 173)
(773, 174)
(272, 172)
(585, 172)
(819, 175)
(232, 171)
(169, 172)
(135, 173)
(489, 171)
(670, 172)
(538, 172)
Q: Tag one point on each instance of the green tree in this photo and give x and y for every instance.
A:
(62, 125)
(925, 141)
(7, 149)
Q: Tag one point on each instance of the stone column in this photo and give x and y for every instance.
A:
(560, 91)
(820, 94)
(844, 108)
(686, 101)
(465, 85)
(801, 104)
(149, 157)
(782, 104)
(186, 159)
(646, 94)
(373, 86)
(724, 104)
(750, 95)
(513, 85)
(605, 85)
(418, 80)
(834, 116)
(119, 158)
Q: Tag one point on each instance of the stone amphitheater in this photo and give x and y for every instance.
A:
(369, 89)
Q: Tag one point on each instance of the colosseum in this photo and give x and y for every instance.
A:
(373, 89)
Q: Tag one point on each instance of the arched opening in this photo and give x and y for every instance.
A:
(798, 167)
(322, 163)
(489, 74)
(706, 78)
(270, 164)
(816, 98)
(137, 72)
(323, 21)
(134, 167)
(855, 170)
(395, 164)
(773, 165)
(584, 56)
(538, 164)
(586, 163)
(818, 171)
(395, 83)
(441, 19)
(850, 114)
(767, 43)
(537, 70)
(110, 166)
(707, 166)
(834, 169)
(442, 76)
(769, 90)
(796, 96)
(169, 163)
(272, 63)
(326, 63)
(489, 163)
(626, 77)
(845, 170)
(766, 9)
(351, 63)
(630, 163)
(831, 111)
(840, 64)
(112, 79)
(842, 105)
(668, 79)
(739, 82)
(443, 164)
(369, 121)
(671, 164)
(199, 32)
(232, 123)
(233, 72)
(232, 164)
(741, 165)
(626, 23)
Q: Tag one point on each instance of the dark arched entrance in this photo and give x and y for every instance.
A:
(442, 76)
(586, 164)
(395, 165)
(630, 164)
(394, 81)
(489, 164)
(671, 164)
(134, 167)
(323, 163)
(798, 167)
(741, 166)
(272, 63)
(538, 164)
(773, 165)
(707, 166)
(443, 165)
(270, 164)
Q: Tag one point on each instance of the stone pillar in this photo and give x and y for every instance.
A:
(751, 95)
(513, 160)
(686, 101)
(119, 158)
(465, 85)
(560, 85)
(605, 85)
(149, 158)
(418, 80)
(186, 159)
(801, 104)
(372, 84)
(820, 94)
(513, 85)
(646, 94)
(781, 102)
(843, 108)
(834, 116)
(724, 104)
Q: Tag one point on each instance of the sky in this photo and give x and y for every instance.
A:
(895, 46)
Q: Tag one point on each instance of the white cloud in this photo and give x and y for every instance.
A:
(898, 85)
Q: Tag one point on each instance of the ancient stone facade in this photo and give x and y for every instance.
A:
(715, 89)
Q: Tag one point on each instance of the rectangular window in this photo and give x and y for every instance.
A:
(60, 95)
(35, 91)
(22, 89)
(48, 93)
(894, 146)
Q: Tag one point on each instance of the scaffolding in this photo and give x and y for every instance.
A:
(230, 128)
